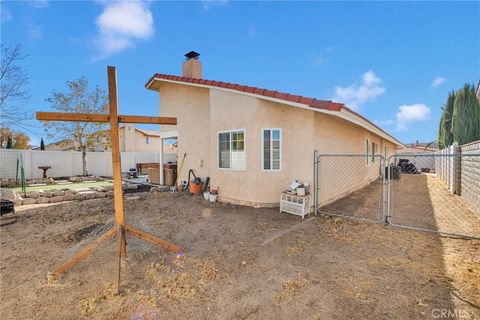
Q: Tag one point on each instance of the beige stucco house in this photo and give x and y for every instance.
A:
(252, 142)
(132, 139)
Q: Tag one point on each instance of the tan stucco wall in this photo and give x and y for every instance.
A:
(141, 143)
(202, 113)
(191, 107)
(135, 141)
(254, 186)
(340, 175)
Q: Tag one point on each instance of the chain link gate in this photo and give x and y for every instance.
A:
(351, 186)
(434, 192)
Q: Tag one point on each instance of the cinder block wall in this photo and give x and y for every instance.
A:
(470, 175)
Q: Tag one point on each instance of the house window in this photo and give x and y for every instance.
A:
(147, 140)
(374, 151)
(369, 159)
(231, 150)
(271, 149)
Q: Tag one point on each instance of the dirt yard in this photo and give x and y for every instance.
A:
(418, 201)
(238, 263)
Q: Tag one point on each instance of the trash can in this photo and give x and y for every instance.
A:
(169, 174)
(392, 172)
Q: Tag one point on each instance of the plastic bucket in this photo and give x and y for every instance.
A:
(213, 197)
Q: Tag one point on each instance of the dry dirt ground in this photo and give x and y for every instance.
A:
(238, 263)
(418, 201)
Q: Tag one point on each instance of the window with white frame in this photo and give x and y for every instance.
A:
(369, 159)
(147, 140)
(374, 151)
(231, 150)
(271, 149)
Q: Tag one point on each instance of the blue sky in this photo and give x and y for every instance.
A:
(394, 62)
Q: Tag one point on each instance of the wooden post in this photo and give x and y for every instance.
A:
(116, 164)
(82, 254)
(119, 229)
(150, 238)
(118, 258)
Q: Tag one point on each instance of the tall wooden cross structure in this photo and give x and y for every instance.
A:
(120, 227)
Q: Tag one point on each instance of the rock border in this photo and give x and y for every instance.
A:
(65, 194)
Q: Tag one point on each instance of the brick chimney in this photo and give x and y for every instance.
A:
(192, 68)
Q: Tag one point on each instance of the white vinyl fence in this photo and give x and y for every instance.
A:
(69, 163)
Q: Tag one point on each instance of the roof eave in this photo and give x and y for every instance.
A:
(332, 108)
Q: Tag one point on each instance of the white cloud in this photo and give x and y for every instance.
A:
(207, 4)
(318, 61)
(5, 15)
(34, 31)
(39, 3)
(120, 24)
(438, 81)
(358, 94)
(411, 113)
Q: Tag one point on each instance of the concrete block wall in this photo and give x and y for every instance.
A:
(470, 176)
(461, 174)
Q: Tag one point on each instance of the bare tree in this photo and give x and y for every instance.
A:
(22, 141)
(78, 99)
(13, 87)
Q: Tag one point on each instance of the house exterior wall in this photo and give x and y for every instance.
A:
(128, 137)
(341, 175)
(202, 113)
(254, 186)
(135, 141)
(191, 107)
(141, 143)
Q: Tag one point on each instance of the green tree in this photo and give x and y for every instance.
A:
(78, 98)
(9, 143)
(465, 125)
(42, 145)
(441, 132)
(447, 119)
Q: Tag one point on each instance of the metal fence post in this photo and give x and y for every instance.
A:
(386, 174)
(315, 181)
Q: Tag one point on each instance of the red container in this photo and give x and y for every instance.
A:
(195, 188)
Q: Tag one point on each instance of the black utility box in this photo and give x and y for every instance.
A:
(392, 172)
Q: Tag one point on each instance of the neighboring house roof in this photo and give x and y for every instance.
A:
(418, 149)
(151, 133)
(325, 106)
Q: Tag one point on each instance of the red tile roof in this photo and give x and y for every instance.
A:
(311, 102)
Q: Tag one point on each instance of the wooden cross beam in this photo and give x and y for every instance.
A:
(120, 227)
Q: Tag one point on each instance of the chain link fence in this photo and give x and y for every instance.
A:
(425, 192)
(350, 186)
(435, 192)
